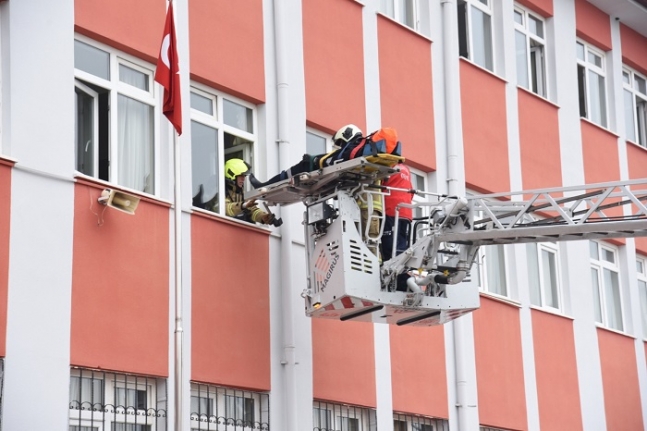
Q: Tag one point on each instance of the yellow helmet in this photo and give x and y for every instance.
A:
(236, 167)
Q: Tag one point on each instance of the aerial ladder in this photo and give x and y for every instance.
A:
(347, 281)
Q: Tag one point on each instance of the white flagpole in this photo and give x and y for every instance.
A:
(178, 287)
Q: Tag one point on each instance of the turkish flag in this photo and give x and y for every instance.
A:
(168, 73)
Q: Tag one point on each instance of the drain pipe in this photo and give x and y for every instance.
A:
(288, 359)
(454, 188)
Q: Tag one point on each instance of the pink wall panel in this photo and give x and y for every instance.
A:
(622, 405)
(600, 150)
(120, 285)
(593, 25)
(418, 370)
(333, 54)
(133, 26)
(5, 224)
(542, 7)
(637, 159)
(406, 95)
(227, 46)
(634, 48)
(556, 372)
(230, 304)
(539, 136)
(484, 130)
(343, 362)
(499, 365)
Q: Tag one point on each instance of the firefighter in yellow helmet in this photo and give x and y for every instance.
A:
(235, 204)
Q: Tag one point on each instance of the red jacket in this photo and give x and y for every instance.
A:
(400, 180)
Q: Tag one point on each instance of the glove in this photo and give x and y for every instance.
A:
(248, 204)
(267, 218)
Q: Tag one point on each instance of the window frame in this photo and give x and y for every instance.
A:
(216, 121)
(542, 78)
(468, 31)
(319, 134)
(642, 291)
(115, 87)
(552, 248)
(600, 265)
(393, 9)
(639, 124)
(589, 67)
(219, 407)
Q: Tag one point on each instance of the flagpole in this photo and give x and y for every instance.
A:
(178, 287)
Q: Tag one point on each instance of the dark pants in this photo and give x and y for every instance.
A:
(402, 241)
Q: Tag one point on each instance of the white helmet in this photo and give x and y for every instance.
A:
(346, 134)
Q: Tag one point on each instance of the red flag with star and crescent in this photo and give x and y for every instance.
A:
(167, 73)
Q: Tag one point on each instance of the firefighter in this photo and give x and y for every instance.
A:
(235, 204)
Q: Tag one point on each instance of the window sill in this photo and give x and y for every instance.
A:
(406, 27)
(602, 128)
(230, 221)
(501, 299)
(100, 184)
(489, 72)
(615, 331)
(7, 161)
(552, 311)
(537, 96)
(635, 144)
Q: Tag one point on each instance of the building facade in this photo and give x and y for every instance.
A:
(191, 320)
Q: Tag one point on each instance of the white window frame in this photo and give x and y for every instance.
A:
(600, 265)
(543, 286)
(219, 399)
(394, 9)
(417, 199)
(486, 7)
(319, 134)
(635, 122)
(539, 71)
(641, 273)
(116, 87)
(217, 121)
(590, 67)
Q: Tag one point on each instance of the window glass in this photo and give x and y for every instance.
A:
(475, 32)
(630, 126)
(238, 116)
(640, 85)
(530, 46)
(518, 17)
(315, 144)
(482, 41)
(135, 130)
(592, 84)
(201, 103)
(605, 278)
(597, 106)
(597, 306)
(133, 77)
(593, 250)
(536, 26)
(549, 277)
(91, 60)
(495, 268)
(86, 118)
(522, 59)
(580, 51)
(204, 165)
(635, 106)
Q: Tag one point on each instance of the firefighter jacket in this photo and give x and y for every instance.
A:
(234, 199)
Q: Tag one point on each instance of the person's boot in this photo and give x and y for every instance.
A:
(255, 182)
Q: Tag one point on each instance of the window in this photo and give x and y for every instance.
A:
(641, 269)
(115, 123)
(591, 83)
(543, 273)
(418, 182)
(403, 11)
(635, 101)
(475, 32)
(408, 422)
(101, 401)
(605, 280)
(341, 417)
(221, 128)
(530, 43)
(316, 143)
(236, 408)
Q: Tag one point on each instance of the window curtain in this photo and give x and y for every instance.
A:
(135, 143)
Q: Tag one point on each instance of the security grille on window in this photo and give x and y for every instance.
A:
(475, 32)
(635, 101)
(403, 11)
(102, 400)
(115, 117)
(218, 408)
(342, 417)
(530, 43)
(605, 279)
(641, 269)
(221, 129)
(409, 422)
(591, 83)
(543, 275)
